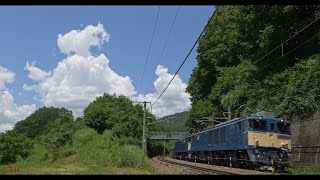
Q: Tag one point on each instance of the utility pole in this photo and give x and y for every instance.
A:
(144, 136)
(144, 139)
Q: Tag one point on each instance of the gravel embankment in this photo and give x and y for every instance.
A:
(166, 168)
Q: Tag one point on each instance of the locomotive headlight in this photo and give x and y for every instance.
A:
(257, 142)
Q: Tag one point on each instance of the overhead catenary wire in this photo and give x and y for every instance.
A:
(215, 11)
(145, 65)
(283, 55)
(165, 44)
(292, 50)
(287, 40)
(276, 89)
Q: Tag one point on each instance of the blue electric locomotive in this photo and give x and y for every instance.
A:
(259, 140)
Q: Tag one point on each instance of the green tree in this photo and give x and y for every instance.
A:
(59, 132)
(13, 146)
(202, 108)
(37, 123)
(235, 66)
(235, 86)
(116, 113)
(250, 32)
(293, 92)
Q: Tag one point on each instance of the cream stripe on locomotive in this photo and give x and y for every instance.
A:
(268, 139)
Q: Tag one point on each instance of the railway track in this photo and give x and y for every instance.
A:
(212, 169)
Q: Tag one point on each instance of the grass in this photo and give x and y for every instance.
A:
(304, 170)
(70, 166)
(87, 153)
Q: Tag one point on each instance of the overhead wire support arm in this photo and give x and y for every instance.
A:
(215, 11)
(317, 35)
(287, 40)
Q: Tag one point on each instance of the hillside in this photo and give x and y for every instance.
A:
(103, 141)
(86, 153)
(177, 124)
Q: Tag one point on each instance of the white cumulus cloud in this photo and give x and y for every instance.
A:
(10, 112)
(6, 76)
(81, 77)
(80, 41)
(36, 73)
(78, 80)
(174, 99)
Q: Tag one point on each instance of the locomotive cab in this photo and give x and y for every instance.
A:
(269, 140)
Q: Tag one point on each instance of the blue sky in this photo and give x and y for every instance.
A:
(30, 33)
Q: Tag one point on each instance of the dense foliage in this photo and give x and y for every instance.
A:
(235, 67)
(116, 113)
(295, 91)
(86, 152)
(38, 122)
(13, 146)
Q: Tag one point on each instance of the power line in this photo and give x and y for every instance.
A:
(285, 54)
(187, 55)
(154, 28)
(262, 95)
(287, 40)
(292, 50)
(165, 44)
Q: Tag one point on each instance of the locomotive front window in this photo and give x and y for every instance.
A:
(284, 127)
(258, 124)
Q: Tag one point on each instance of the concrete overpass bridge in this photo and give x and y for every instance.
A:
(167, 135)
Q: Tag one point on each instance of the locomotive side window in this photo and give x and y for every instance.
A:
(216, 136)
(231, 128)
(210, 137)
(242, 126)
(223, 137)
